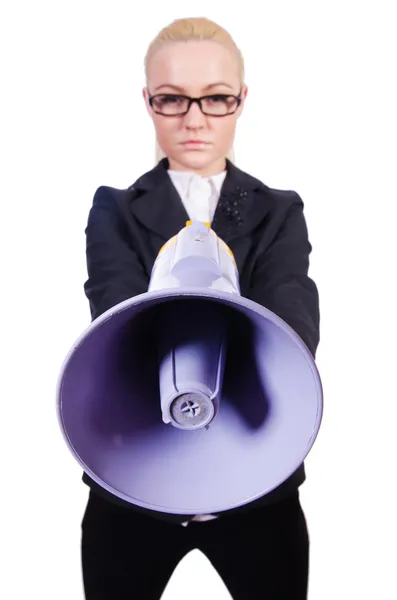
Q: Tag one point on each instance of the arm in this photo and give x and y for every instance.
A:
(281, 282)
(115, 272)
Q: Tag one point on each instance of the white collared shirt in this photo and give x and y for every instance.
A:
(199, 195)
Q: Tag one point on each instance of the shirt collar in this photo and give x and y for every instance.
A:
(185, 178)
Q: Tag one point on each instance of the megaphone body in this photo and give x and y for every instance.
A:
(190, 398)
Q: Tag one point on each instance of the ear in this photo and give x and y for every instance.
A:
(145, 94)
(244, 93)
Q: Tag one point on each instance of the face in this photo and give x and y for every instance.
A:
(194, 68)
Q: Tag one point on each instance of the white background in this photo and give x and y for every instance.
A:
(320, 118)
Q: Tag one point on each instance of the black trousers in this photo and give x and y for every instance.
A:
(260, 555)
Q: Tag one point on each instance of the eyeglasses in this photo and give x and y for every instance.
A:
(173, 105)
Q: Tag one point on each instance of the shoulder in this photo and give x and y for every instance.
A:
(275, 210)
(277, 199)
(281, 201)
(111, 197)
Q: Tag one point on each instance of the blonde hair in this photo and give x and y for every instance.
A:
(187, 29)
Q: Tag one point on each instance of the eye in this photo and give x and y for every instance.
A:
(169, 99)
(218, 98)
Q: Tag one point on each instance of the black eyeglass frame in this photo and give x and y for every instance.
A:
(198, 100)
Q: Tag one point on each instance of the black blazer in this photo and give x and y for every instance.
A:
(264, 227)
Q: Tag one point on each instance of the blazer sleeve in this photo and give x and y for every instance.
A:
(280, 279)
(115, 271)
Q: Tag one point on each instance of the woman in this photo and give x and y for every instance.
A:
(195, 93)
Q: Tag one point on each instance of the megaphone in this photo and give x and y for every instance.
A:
(190, 398)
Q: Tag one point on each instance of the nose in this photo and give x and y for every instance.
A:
(194, 117)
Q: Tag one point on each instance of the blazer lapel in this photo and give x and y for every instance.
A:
(241, 207)
(157, 205)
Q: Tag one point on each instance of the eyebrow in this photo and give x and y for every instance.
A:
(181, 89)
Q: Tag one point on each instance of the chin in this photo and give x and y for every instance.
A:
(196, 159)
